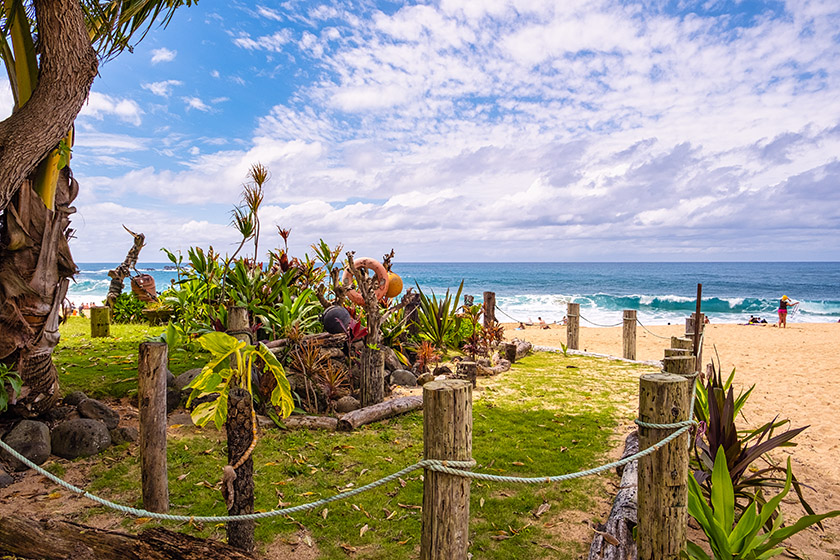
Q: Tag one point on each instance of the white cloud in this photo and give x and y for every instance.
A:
(163, 55)
(99, 105)
(162, 88)
(271, 43)
(196, 103)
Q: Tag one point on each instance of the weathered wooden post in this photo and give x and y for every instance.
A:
(676, 352)
(680, 365)
(100, 321)
(467, 371)
(683, 343)
(412, 306)
(489, 309)
(693, 331)
(510, 352)
(573, 326)
(628, 335)
(151, 389)
(240, 434)
(447, 435)
(664, 398)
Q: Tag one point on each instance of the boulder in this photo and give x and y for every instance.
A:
(29, 438)
(180, 419)
(124, 434)
(173, 399)
(392, 363)
(186, 378)
(5, 479)
(81, 437)
(425, 378)
(347, 404)
(60, 413)
(403, 377)
(442, 370)
(170, 378)
(98, 410)
(74, 398)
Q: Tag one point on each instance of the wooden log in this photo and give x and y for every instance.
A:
(663, 475)
(447, 435)
(489, 309)
(324, 340)
(681, 365)
(510, 352)
(119, 274)
(380, 411)
(54, 539)
(684, 343)
(523, 347)
(100, 321)
(467, 371)
(327, 423)
(573, 326)
(239, 427)
(151, 397)
(501, 367)
(628, 335)
(670, 352)
(623, 515)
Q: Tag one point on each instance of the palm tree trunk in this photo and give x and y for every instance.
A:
(35, 268)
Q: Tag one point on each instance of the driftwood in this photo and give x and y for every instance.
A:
(522, 348)
(379, 411)
(326, 340)
(311, 422)
(65, 540)
(614, 541)
(119, 274)
(501, 366)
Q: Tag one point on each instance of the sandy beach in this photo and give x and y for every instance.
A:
(795, 371)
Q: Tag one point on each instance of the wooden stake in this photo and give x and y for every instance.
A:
(663, 475)
(467, 371)
(372, 386)
(684, 343)
(573, 326)
(489, 309)
(669, 352)
(680, 365)
(698, 325)
(628, 338)
(100, 321)
(510, 352)
(447, 435)
(151, 392)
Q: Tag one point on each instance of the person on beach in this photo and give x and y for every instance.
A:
(784, 303)
(521, 327)
(542, 323)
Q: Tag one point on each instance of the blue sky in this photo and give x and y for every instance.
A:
(472, 131)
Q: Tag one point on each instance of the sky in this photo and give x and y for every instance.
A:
(468, 130)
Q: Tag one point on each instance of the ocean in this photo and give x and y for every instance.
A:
(662, 293)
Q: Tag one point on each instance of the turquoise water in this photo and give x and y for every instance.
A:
(660, 292)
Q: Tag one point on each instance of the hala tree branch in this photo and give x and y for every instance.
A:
(67, 70)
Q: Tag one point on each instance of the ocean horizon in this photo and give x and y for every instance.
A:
(660, 292)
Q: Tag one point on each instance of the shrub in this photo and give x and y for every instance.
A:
(128, 309)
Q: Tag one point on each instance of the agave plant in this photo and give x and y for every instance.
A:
(438, 319)
(311, 363)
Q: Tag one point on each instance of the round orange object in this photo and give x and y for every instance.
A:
(377, 268)
(395, 285)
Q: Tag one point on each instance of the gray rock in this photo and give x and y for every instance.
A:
(403, 377)
(392, 363)
(74, 398)
(29, 438)
(98, 410)
(442, 370)
(173, 399)
(425, 378)
(180, 419)
(124, 434)
(170, 378)
(60, 413)
(81, 437)
(347, 404)
(186, 378)
(5, 479)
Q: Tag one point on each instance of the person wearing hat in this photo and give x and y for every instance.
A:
(784, 303)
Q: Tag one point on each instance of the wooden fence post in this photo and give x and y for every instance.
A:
(151, 391)
(691, 333)
(573, 326)
(467, 371)
(489, 309)
(510, 352)
(680, 365)
(628, 337)
(677, 352)
(664, 398)
(447, 435)
(239, 427)
(100, 321)
(684, 343)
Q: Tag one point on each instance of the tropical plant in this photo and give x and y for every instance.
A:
(334, 381)
(230, 366)
(438, 319)
(426, 354)
(128, 309)
(308, 359)
(701, 401)
(10, 387)
(49, 86)
(749, 538)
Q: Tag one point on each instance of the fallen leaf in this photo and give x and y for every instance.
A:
(308, 540)
(141, 520)
(544, 507)
(481, 502)
(183, 476)
(607, 537)
(54, 495)
(518, 463)
(324, 513)
(406, 506)
(364, 530)
(347, 548)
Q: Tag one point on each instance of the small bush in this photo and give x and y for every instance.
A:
(128, 309)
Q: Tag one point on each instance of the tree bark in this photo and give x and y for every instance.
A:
(65, 540)
(311, 423)
(68, 66)
(387, 409)
(239, 437)
(372, 382)
(119, 274)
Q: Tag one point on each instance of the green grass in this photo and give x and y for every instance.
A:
(107, 366)
(539, 419)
